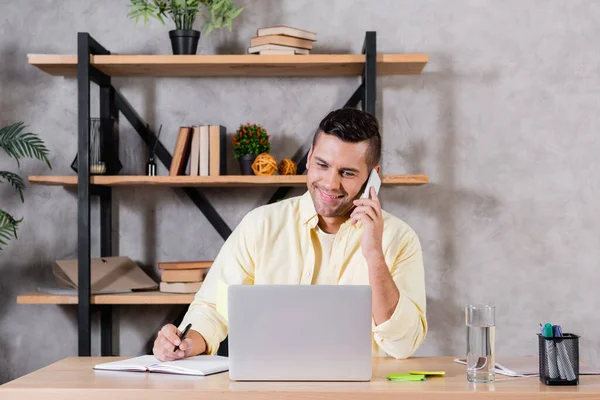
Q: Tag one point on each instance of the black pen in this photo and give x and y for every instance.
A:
(185, 331)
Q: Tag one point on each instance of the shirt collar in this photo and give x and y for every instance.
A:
(309, 215)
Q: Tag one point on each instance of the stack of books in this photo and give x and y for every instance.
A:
(281, 40)
(183, 276)
(204, 147)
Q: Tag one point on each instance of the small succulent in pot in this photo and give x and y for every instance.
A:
(249, 141)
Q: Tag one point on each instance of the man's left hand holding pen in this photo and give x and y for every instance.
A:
(168, 339)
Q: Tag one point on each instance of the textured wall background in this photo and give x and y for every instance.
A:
(504, 120)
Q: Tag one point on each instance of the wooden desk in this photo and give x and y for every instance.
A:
(74, 378)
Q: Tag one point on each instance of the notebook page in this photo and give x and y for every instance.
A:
(198, 365)
(497, 370)
(527, 366)
(132, 364)
(530, 366)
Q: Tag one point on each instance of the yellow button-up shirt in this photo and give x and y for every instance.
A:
(272, 245)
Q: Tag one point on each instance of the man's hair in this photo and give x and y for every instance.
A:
(353, 125)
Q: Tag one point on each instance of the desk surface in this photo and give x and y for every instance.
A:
(74, 378)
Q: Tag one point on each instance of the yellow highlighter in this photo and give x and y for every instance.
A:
(428, 373)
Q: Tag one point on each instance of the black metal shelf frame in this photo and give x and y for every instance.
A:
(112, 102)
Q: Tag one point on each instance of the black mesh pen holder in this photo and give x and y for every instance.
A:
(559, 359)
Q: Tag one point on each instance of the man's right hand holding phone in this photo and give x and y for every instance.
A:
(168, 337)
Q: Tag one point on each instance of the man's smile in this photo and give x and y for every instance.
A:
(329, 197)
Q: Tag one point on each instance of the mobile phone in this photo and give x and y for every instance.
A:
(373, 181)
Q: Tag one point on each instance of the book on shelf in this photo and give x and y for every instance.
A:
(181, 152)
(185, 264)
(206, 148)
(218, 150)
(281, 40)
(286, 31)
(276, 48)
(180, 287)
(183, 275)
(195, 152)
(276, 52)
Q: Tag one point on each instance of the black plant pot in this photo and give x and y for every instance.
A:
(184, 41)
(246, 163)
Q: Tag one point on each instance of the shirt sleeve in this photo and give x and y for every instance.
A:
(404, 332)
(235, 264)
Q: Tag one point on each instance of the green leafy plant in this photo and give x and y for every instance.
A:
(217, 13)
(250, 139)
(17, 144)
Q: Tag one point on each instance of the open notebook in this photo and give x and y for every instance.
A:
(199, 365)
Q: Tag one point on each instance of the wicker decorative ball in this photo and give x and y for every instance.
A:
(264, 164)
(287, 167)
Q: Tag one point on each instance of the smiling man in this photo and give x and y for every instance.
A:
(327, 236)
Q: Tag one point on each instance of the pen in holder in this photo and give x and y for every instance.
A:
(559, 359)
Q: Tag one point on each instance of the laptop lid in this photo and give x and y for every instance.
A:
(300, 332)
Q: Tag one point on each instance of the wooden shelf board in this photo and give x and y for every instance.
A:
(233, 65)
(207, 181)
(150, 297)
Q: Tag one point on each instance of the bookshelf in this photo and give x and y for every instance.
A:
(140, 298)
(310, 65)
(95, 64)
(209, 181)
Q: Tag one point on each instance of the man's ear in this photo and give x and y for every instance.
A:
(309, 156)
(378, 168)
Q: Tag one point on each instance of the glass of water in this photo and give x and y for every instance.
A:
(481, 353)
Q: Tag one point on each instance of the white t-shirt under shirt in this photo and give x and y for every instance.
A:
(323, 243)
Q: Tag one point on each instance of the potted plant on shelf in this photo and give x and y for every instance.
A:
(184, 39)
(17, 145)
(249, 141)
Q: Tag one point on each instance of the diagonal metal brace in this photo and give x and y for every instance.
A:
(166, 158)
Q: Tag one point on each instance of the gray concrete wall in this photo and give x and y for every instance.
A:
(504, 120)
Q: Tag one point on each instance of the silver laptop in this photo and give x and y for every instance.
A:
(300, 332)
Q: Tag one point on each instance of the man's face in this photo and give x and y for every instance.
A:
(337, 170)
